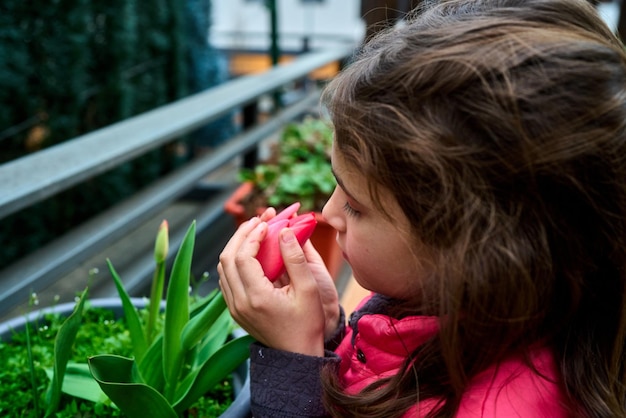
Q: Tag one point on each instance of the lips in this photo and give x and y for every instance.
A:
(269, 253)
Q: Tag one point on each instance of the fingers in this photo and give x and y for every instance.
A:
(311, 253)
(223, 282)
(242, 232)
(232, 246)
(237, 266)
(257, 305)
(296, 262)
(268, 214)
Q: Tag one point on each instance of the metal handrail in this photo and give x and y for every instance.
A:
(32, 178)
(35, 177)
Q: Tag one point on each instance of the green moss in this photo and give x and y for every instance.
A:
(100, 332)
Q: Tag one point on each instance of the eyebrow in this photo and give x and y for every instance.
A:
(343, 187)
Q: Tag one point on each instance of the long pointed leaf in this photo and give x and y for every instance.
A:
(62, 353)
(177, 312)
(199, 303)
(151, 365)
(215, 338)
(135, 328)
(79, 382)
(199, 325)
(118, 379)
(217, 368)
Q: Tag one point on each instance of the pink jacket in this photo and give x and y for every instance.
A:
(509, 389)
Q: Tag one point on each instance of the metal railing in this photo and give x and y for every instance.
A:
(30, 179)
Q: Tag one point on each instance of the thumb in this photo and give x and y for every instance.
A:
(295, 260)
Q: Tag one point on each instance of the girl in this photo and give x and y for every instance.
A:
(480, 152)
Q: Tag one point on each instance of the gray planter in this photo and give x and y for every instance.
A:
(240, 408)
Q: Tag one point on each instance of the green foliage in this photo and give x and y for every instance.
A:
(164, 375)
(99, 330)
(62, 353)
(168, 377)
(299, 168)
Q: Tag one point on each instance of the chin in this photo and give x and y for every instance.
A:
(361, 283)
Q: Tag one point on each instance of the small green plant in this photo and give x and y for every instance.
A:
(186, 359)
(298, 169)
(164, 365)
(28, 383)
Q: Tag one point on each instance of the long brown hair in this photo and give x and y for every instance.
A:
(500, 128)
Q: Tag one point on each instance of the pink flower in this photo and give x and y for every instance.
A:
(269, 253)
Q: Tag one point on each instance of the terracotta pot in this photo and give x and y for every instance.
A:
(323, 238)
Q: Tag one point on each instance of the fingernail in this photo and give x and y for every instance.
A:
(254, 220)
(288, 235)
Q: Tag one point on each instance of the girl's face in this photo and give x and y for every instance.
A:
(382, 253)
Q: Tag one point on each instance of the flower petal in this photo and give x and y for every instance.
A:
(303, 226)
(269, 251)
(286, 213)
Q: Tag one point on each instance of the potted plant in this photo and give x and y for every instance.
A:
(159, 361)
(298, 169)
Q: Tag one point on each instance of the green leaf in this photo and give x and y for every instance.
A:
(135, 328)
(214, 370)
(215, 338)
(118, 378)
(151, 365)
(79, 382)
(62, 353)
(199, 325)
(177, 312)
(199, 303)
(298, 168)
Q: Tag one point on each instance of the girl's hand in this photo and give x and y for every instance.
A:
(288, 317)
(325, 283)
(326, 288)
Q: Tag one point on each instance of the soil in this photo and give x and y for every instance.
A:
(253, 202)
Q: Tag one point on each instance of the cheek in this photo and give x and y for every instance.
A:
(383, 267)
(366, 257)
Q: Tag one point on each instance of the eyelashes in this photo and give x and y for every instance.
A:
(350, 211)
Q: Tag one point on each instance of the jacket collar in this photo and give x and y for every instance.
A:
(376, 310)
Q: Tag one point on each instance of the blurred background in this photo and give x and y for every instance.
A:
(72, 67)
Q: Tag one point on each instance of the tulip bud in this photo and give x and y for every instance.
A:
(286, 213)
(269, 253)
(161, 245)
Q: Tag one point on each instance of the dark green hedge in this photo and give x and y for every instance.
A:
(68, 67)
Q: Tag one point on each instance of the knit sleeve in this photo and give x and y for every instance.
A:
(334, 340)
(285, 384)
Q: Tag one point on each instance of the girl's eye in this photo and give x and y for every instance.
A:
(350, 211)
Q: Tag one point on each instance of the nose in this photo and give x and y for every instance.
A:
(333, 213)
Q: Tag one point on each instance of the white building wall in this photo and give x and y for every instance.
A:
(245, 24)
(609, 11)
